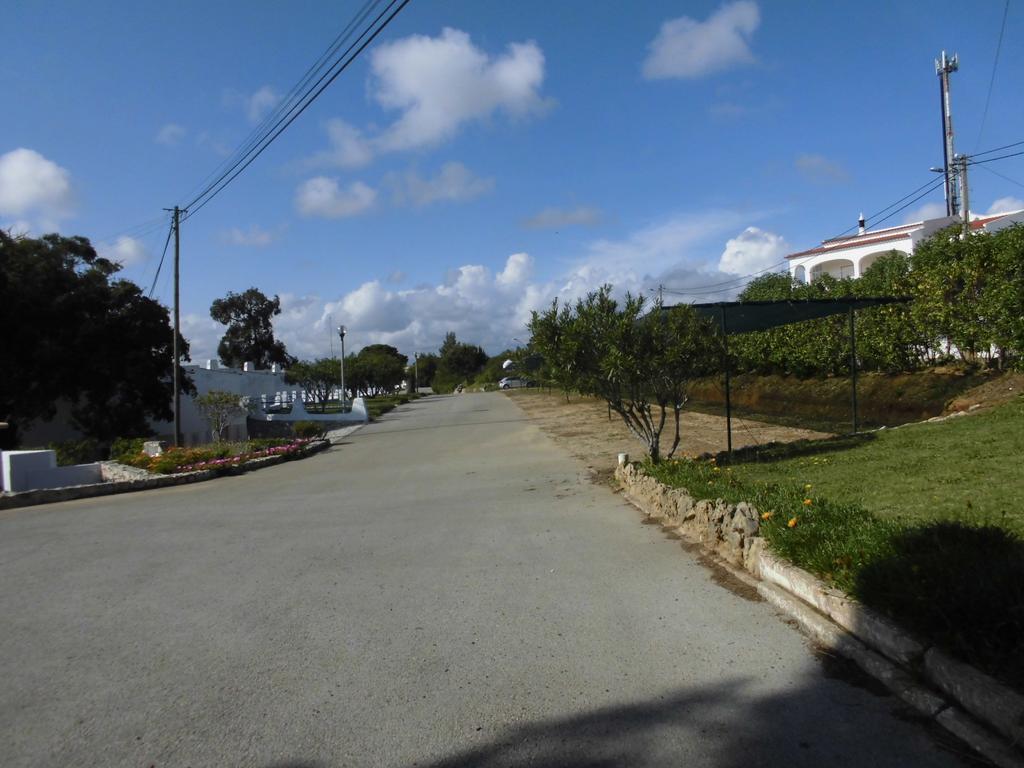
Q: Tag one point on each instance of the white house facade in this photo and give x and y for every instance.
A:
(850, 256)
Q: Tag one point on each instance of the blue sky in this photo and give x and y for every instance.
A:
(482, 158)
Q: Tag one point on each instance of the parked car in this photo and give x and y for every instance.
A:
(511, 382)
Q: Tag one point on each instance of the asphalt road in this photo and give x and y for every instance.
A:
(445, 588)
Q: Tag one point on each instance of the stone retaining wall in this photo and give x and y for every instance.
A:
(732, 531)
(836, 620)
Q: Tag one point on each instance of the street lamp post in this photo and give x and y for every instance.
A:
(341, 333)
(416, 358)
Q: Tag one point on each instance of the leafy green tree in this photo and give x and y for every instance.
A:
(218, 408)
(317, 378)
(382, 368)
(250, 330)
(376, 369)
(427, 367)
(640, 362)
(457, 362)
(493, 370)
(79, 334)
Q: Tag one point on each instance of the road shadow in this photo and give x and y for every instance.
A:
(960, 585)
(770, 452)
(824, 722)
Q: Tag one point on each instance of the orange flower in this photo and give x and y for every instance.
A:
(807, 502)
(792, 522)
(767, 515)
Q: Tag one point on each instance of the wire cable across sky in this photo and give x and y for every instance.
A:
(253, 147)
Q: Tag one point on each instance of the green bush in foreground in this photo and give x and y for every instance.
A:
(961, 586)
(84, 451)
(307, 429)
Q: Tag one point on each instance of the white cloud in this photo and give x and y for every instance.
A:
(1004, 204)
(438, 85)
(558, 218)
(518, 270)
(259, 104)
(687, 48)
(926, 211)
(728, 110)
(453, 183)
(203, 334)
(322, 196)
(254, 236)
(634, 261)
(820, 170)
(348, 147)
(491, 306)
(126, 251)
(170, 135)
(751, 251)
(35, 188)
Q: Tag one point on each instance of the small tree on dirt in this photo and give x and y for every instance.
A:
(639, 362)
(219, 408)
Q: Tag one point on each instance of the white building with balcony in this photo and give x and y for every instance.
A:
(849, 256)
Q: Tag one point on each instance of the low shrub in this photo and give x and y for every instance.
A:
(308, 429)
(123, 449)
(215, 456)
(84, 451)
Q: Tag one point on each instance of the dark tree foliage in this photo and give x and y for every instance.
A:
(375, 370)
(967, 305)
(316, 377)
(78, 334)
(426, 368)
(458, 362)
(250, 334)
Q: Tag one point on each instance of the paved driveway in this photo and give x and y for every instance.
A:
(446, 588)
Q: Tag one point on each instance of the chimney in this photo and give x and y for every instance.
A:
(860, 225)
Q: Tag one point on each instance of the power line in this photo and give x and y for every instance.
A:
(993, 159)
(710, 288)
(992, 79)
(170, 231)
(1001, 175)
(997, 149)
(266, 124)
(935, 186)
(325, 80)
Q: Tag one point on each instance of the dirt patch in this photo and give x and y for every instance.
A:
(582, 425)
(1000, 390)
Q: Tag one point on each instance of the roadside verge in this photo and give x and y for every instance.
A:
(976, 708)
(120, 478)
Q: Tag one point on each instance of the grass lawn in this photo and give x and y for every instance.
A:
(923, 523)
(969, 469)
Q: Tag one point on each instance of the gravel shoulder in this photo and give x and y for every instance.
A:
(583, 427)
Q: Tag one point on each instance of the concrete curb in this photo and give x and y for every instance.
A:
(51, 495)
(883, 649)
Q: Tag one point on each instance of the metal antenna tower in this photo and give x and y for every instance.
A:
(943, 68)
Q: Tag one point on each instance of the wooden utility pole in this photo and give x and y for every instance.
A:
(177, 329)
(964, 202)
